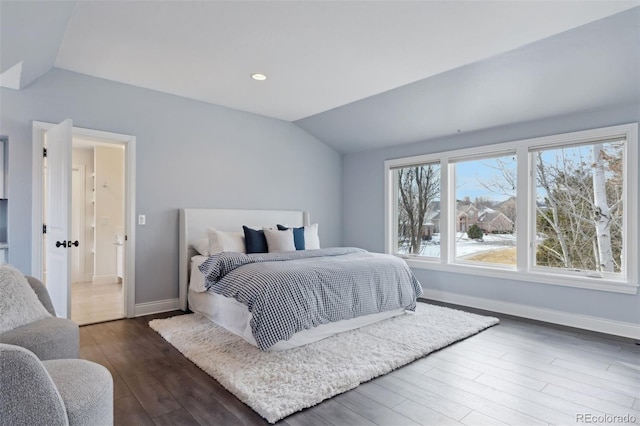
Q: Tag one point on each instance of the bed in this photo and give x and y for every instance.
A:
(229, 312)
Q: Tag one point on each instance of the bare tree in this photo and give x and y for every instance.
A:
(503, 183)
(552, 219)
(602, 212)
(581, 215)
(418, 187)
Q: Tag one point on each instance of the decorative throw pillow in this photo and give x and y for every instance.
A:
(255, 240)
(220, 241)
(201, 246)
(298, 236)
(19, 304)
(279, 240)
(311, 239)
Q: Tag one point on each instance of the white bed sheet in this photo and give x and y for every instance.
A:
(235, 317)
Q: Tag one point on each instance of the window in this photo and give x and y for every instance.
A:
(417, 212)
(485, 210)
(579, 207)
(557, 210)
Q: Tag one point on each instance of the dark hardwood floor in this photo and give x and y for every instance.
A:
(520, 373)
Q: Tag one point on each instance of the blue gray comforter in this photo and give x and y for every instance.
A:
(292, 291)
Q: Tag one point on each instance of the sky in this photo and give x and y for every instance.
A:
(475, 176)
(470, 176)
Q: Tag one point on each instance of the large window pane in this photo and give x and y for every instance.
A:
(418, 210)
(485, 213)
(579, 207)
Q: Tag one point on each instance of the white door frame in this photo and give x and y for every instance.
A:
(39, 130)
(80, 220)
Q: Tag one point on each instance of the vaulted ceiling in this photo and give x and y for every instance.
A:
(356, 74)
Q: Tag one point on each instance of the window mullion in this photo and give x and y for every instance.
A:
(447, 188)
(525, 214)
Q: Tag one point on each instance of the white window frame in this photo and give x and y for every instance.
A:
(525, 269)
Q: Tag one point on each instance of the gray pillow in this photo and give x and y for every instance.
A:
(279, 240)
(19, 304)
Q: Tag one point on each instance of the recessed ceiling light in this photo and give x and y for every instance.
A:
(258, 76)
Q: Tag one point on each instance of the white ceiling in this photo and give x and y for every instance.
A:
(318, 55)
(589, 68)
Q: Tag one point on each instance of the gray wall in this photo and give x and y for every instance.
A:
(363, 217)
(189, 154)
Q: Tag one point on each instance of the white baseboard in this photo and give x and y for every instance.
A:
(156, 307)
(601, 325)
(104, 279)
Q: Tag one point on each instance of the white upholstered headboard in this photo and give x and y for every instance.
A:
(194, 224)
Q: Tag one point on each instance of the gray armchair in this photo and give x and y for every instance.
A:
(51, 393)
(50, 338)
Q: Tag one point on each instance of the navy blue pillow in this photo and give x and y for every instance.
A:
(298, 236)
(255, 241)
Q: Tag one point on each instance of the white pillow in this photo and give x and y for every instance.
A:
(311, 239)
(220, 241)
(201, 246)
(197, 280)
(19, 304)
(279, 240)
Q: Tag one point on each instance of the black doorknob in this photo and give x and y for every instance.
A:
(75, 243)
(63, 244)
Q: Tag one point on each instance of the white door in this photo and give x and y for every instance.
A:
(58, 210)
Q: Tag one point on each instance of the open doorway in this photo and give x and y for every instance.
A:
(99, 282)
(98, 224)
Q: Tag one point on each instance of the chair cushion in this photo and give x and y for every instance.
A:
(51, 338)
(19, 304)
(86, 389)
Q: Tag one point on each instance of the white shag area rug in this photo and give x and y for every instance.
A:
(277, 384)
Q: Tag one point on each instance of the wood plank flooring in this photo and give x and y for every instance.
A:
(517, 373)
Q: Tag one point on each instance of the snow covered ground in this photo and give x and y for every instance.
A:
(466, 246)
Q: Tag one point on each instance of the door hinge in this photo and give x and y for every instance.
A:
(44, 152)
(126, 238)
(44, 228)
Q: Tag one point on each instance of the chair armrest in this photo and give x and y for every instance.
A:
(42, 293)
(29, 395)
